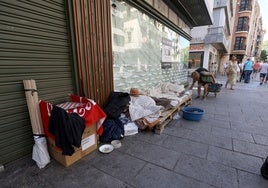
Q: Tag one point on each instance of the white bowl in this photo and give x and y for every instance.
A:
(116, 143)
(106, 148)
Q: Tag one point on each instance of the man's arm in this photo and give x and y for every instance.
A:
(191, 87)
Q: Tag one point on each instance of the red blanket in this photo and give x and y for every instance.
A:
(84, 107)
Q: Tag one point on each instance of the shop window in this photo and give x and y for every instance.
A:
(145, 51)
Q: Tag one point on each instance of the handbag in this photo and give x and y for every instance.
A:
(227, 70)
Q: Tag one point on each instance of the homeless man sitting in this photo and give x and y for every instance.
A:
(204, 78)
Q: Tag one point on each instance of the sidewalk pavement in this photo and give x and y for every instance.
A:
(224, 150)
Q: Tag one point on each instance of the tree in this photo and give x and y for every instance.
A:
(263, 55)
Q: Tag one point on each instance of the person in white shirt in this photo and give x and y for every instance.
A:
(225, 65)
(263, 72)
(241, 66)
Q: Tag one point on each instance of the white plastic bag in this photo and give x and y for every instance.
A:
(130, 129)
(176, 116)
(40, 154)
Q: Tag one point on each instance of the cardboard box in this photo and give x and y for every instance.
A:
(88, 144)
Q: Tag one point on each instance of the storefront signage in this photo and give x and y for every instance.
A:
(196, 47)
(166, 53)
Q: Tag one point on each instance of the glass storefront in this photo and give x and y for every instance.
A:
(196, 60)
(145, 52)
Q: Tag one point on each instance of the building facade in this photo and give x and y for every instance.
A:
(247, 31)
(86, 48)
(211, 43)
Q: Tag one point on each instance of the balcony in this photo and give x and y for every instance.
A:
(240, 47)
(216, 37)
(243, 28)
(245, 8)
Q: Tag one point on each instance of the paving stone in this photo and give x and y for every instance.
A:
(154, 154)
(232, 134)
(151, 137)
(248, 180)
(264, 118)
(206, 171)
(119, 165)
(207, 138)
(186, 146)
(220, 117)
(201, 126)
(236, 118)
(221, 112)
(250, 128)
(208, 116)
(154, 176)
(217, 123)
(88, 177)
(178, 132)
(261, 139)
(236, 160)
(250, 148)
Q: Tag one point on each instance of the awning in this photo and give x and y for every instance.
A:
(193, 12)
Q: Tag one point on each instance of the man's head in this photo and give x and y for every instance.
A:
(195, 76)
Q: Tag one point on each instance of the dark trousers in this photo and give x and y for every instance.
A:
(241, 76)
(247, 74)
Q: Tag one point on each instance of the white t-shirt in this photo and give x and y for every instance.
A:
(264, 68)
(238, 68)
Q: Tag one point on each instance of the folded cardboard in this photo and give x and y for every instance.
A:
(88, 144)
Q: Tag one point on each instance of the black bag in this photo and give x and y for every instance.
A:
(113, 129)
(116, 104)
(264, 169)
(214, 87)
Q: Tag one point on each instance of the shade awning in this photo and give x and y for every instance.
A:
(193, 12)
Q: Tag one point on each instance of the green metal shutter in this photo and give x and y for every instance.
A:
(34, 44)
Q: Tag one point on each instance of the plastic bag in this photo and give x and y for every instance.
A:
(130, 129)
(40, 154)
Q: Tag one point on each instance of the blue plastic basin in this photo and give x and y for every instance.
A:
(192, 113)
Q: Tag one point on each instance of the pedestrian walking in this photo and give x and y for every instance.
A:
(263, 72)
(248, 68)
(231, 72)
(225, 65)
(256, 69)
(239, 71)
(241, 67)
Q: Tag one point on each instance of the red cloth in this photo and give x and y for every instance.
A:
(88, 109)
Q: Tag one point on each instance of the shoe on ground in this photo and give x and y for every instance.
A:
(204, 98)
(197, 97)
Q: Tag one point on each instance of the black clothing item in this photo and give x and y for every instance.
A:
(264, 169)
(116, 104)
(113, 129)
(201, 69)
(204, 79)
(67, 128)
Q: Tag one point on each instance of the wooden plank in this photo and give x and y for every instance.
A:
(167, 116)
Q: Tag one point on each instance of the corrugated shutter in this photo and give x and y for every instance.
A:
(34, 44)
